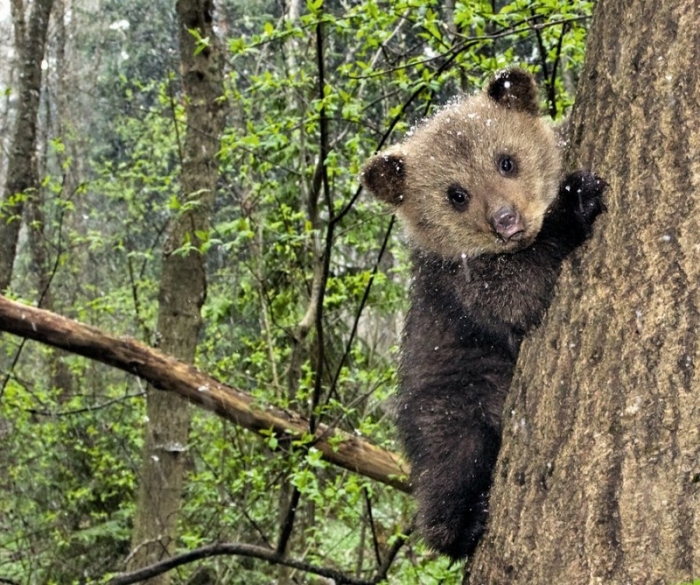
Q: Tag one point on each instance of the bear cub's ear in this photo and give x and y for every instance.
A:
(385, 176)
(516, 89)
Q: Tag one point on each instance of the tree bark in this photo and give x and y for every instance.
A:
(22, 175)
(598, 479)
(182, 287)
(177, 378)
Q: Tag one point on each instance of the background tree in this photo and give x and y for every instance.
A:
(599, 473)
(183, 284)
(22, 174)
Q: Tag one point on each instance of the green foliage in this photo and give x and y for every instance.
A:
(68, 466)
(71, 455)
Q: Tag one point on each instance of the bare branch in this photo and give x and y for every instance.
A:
(166, 373)
(244, 550)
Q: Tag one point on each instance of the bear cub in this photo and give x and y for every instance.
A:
(489, 219)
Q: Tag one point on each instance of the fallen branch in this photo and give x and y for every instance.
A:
(166, 373)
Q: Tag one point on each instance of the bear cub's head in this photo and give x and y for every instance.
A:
(477, 177)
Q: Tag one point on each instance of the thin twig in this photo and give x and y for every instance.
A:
(86, 409)
(557, 60)
(360, 309)
(288, 522)
(543, 63)
(375, 541)
(391, 555)
(135, 297)
(468, 42)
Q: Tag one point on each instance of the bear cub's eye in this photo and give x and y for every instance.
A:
(507, 165)
(458, 197)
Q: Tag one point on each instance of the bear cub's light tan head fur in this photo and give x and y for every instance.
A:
(476, 178)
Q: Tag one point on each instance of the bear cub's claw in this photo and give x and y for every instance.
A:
(583, 193)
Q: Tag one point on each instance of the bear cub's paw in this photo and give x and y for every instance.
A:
(582, 192)
(452, 528)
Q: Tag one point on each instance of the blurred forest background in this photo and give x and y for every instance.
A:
(306, 278)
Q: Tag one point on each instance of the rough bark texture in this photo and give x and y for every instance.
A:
(598, 479)
(166, 373)
(22, 175)
(182, 288)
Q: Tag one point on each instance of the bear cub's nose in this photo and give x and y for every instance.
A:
(507, 223)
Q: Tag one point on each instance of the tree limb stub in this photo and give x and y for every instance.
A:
(166, 373)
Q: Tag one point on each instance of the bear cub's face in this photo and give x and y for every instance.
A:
(476, 178)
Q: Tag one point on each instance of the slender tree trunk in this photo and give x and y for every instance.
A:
(598, 480)
(60, 376)
(22, 175)
(43, 261)
(182, 288)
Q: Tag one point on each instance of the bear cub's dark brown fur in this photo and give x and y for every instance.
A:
(480, 193)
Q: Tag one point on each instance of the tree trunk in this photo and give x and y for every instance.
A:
(182, 288)
(22, 175)
(598, 480)
(44, 264)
